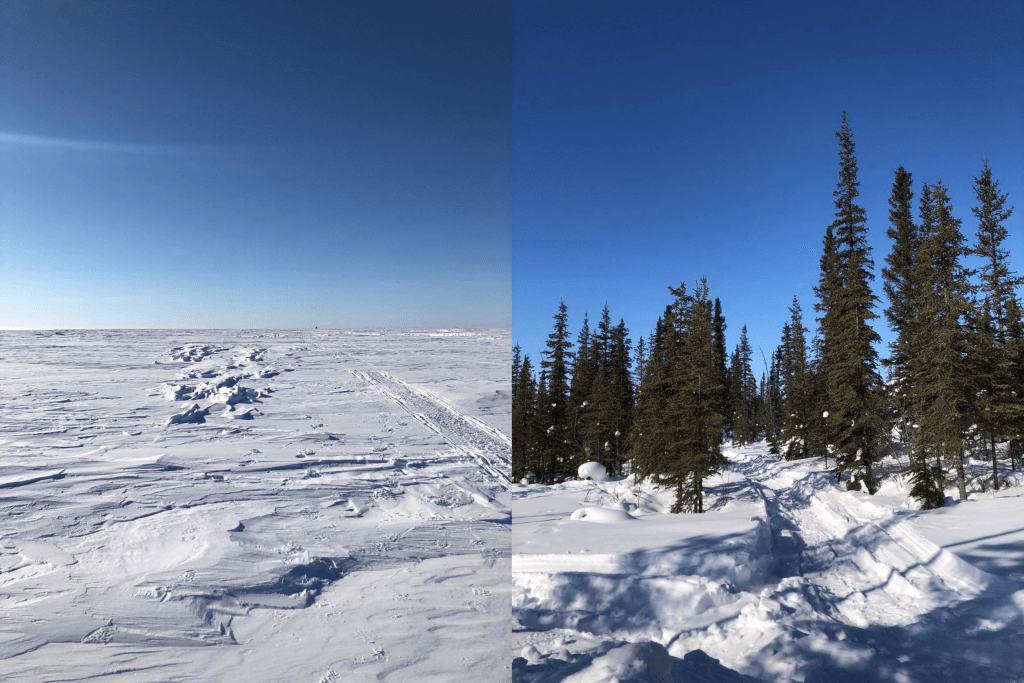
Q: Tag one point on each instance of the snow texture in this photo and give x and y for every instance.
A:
(787, 577)
(255, 506)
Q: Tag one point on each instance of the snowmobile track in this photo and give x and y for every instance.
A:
(466, 434)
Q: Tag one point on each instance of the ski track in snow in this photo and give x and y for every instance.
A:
(850, 591)
(245, 508)
(468, 435)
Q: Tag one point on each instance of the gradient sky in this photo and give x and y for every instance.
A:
(255, 164)
(655, 143)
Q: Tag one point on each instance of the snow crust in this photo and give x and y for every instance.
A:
(255, 506)
(787, 577)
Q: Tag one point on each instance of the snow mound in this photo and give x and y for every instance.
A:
(193, 353)
(592, 470)
(194, 414)
(247, 414)
(603, 515)
(645, 662)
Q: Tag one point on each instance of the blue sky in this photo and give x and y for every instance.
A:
(655, 143)
(258, 164)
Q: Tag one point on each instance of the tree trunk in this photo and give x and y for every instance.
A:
(995, 472)
(869, 475)
(960, 483)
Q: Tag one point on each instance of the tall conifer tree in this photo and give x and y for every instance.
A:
(849, 358)
(899, 284)
(742, 392)
(797, 386)
(554, 411)
(942, 379)
(517, 363)
(997, 358)
(677, 432)
(584, 370)
(524, 425)
(721, 356)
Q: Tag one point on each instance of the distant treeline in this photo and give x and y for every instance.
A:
(953, 383)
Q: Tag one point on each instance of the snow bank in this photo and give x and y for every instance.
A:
(602, 515)
(786, 577)
(645, 662)
(592, 470)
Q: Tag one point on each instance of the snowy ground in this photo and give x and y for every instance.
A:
(787, 578)
(262, 506)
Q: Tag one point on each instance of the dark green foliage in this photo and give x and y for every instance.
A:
(998, 283)
(940, 375)
(620, 374)
(899, 284)
(525, 435)
(796, 382)
(956, 366)
(517, 364)
(995, 360)
(718, 328)
(553, 411)
(609, 405)
(849, 360)
(584, 371)
(927, 482)
(769, 418)
(677, 435)
(742, 392)
(640, 360)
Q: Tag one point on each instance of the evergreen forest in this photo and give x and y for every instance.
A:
(949, 387)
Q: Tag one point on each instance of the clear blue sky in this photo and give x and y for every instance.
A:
(244, 164)
(660, 142)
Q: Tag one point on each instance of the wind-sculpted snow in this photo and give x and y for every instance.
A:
(246, 506)
(788, 578)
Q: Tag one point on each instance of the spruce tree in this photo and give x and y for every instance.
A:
(677, 432)
(584, 370)
(742, 392)
(997, 281)
(996, 359)
(620, 370)
(524, 432)
(721, 356)
(639, 361)
(700, 388)
(554, 411)
(517, 364)
(820, 430)
(942, 379)
(848, 355)
(899, 285)
(1015, 349)
(651, 434)
(797, 387)
(771, 404)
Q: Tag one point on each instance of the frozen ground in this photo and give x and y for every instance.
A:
(786, 578)
(261, 506)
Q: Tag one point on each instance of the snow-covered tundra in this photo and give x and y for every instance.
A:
(259, 506)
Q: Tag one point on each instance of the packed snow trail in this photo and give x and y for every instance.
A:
(468, 435)
(849, 589)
